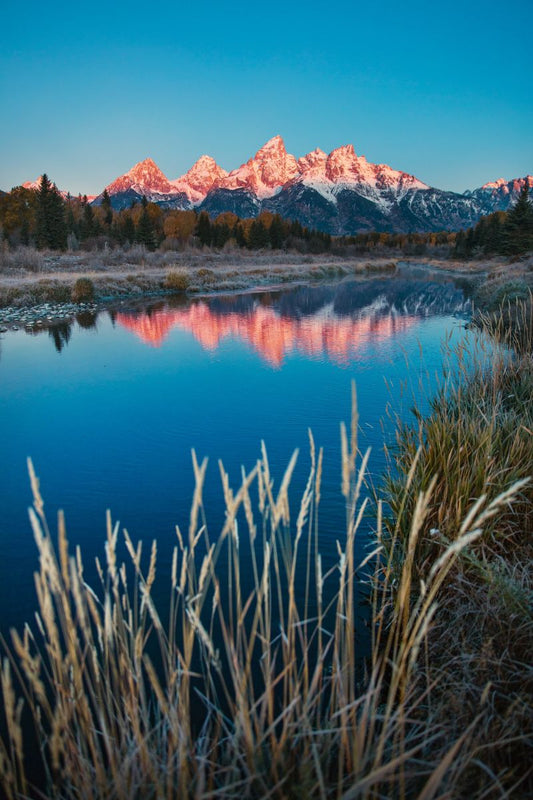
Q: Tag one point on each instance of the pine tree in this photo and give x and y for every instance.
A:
(276, 233)
(107, 209)
(51, 224)
(145, 228)
(127, 231)
(57, 224)
(203, 229)
(459, 249)
(518, 229)
(41, 234)
(494, 233)
(220, 234)
(240, 236)
(25, 232)
(87, 223)
(259, 236)
(72, 224)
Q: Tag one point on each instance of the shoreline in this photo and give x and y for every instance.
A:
(29, 299)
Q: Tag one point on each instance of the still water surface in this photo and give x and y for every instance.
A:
(110, 405)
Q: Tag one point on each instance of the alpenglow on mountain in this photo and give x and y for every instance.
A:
(339, 192)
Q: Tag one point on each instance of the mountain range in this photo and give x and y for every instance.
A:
(338, 193)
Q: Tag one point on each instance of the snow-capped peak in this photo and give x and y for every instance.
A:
(494, 184)
(512, 188)
(264, 174)
(143, 178)
(344, 169)
(204, 175)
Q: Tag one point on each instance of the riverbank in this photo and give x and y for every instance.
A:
(36, 287)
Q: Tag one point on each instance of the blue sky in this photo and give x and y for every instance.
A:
(439, 90)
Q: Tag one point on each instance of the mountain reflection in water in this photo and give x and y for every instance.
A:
(270, 334)
(329, 320)
(318, 322)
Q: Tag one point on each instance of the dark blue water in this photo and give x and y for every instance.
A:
(109, 407)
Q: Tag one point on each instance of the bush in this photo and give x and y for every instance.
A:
(83, 291)
(177, 281)
(206, 275)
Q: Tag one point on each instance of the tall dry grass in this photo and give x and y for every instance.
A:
(247, 688)
(477, 442)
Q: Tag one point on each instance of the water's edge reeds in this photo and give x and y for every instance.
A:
(243, 688)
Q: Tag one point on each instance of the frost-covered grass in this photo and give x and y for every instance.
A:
(476, 442)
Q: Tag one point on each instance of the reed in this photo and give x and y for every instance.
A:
(245, 688)
(476, 444)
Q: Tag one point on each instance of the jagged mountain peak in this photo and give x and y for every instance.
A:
(494, 184)
(312, 159)
(145, 177)
(200, 179)
(145, 169)
(275, 144)
(503, 182)
(264, 174)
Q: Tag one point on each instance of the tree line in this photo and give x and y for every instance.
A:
(48, 220)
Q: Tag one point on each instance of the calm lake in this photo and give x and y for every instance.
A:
(109, 405)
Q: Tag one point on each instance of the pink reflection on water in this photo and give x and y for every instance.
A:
(272, 335)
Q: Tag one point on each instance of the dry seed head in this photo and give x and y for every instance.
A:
(34, 481)
(151, 571)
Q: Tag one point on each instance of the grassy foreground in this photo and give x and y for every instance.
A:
(247, 687)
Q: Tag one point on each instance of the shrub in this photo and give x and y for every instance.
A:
(206, 275)
(177, 281)
(83, 291)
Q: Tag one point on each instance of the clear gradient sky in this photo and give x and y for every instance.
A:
(441, 90)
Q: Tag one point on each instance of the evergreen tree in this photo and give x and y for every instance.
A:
(459, 249)
(51, 229)
(203, 229)
(494, 233)
(276, 233)
(240, 236)
(87, 223)
(518, 229)
(220, 234)
(145, 228)
(469, 242)
(259, 236)
(25, 232)
(57, 224)
(41, 233)
(128, 230)
(107, 209)
(72, 224)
